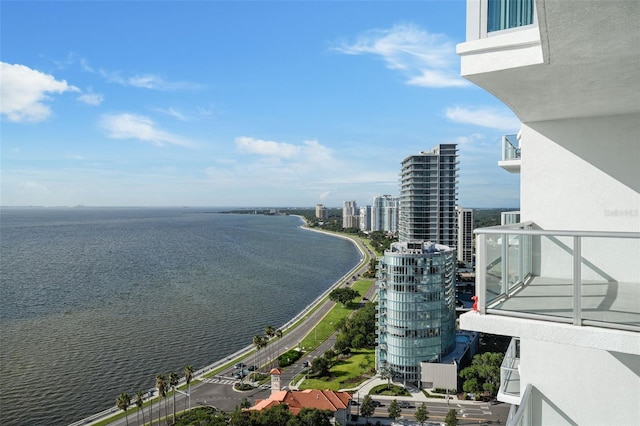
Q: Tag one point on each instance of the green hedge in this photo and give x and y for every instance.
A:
(288, 358)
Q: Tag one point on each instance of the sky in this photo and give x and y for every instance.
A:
(244, 104)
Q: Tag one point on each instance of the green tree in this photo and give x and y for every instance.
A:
(314, 417)
(269, 332)
(278, 415)
(123, 401)
(343, 295)
(451, 419)
(174, 379)
(394, 410)
(161, 385)
(139, 403)
(245, 403)
(259, 342)
(367, 408)
(320, 367)
(422, 414)
(188, 376)
(387, 373)
(483, 373)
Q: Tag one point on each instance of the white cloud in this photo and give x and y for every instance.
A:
(485, 117)
(146, 81)
(24, 91)
(91, 98)
(131, 126)
(429, 60)
(267, 148)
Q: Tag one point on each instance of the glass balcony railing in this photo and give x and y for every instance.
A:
(582, 278)
(510, 375)
(522, 415)
(510, 154)
(510, 148)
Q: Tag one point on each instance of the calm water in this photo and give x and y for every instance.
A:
(95, 302)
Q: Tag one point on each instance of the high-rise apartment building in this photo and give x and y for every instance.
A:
(428, 196)
(321, 211)
(564, 282)
(416, 307)
(365, 218)
(350, 214)
(385, 213)
(416, 276)
(465, 235)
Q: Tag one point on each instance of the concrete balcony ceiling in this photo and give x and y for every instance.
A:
(586, 62)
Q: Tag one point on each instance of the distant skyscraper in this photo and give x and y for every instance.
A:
(321, 211)
(350, 214)
(465, 235)
(365, 218)
(428, 195)
(384, 214)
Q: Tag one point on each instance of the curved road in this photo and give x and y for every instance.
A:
(218, 390)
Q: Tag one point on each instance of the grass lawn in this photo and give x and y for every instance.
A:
(326, 327)
(346, 373)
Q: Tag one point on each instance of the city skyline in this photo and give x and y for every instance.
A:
(238, 103)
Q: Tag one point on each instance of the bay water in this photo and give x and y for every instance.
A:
(98, 301)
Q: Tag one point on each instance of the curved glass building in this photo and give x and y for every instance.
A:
(416, 307)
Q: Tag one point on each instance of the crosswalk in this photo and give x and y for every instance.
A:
(220, 381)
(228, 381)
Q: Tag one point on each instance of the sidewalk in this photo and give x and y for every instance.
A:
(417, 396)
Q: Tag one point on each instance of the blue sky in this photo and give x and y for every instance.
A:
(238, 103)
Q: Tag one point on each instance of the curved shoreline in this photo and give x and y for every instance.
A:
(247, 350)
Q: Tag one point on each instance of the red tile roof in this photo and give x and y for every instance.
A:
(310, 398)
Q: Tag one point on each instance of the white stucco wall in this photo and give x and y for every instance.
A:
(584, 175)
(580, 386)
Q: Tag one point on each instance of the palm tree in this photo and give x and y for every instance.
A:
(257, 342)
(161, 384)
(140, 402)
(269, 332)
(174, 379)
(188, 375)
(279, 334)
(123, 401)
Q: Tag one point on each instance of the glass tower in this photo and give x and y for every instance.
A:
(416, 307)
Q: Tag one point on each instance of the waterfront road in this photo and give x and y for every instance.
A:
(218, 390)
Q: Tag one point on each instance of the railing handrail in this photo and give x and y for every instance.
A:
(518, 229)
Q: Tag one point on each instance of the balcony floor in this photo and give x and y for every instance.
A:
(612, 302)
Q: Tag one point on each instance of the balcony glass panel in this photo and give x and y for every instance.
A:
(583, 278)
(510, 148)
(505, 14)
(509, 373)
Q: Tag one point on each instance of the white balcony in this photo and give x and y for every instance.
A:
(510, 154)
(562, 65)
(558, 285)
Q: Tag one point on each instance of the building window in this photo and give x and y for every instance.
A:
(505, 14)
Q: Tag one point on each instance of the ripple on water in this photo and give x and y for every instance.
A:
(98, 302)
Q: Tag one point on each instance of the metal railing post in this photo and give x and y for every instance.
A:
(577, 280)
(481, 272)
